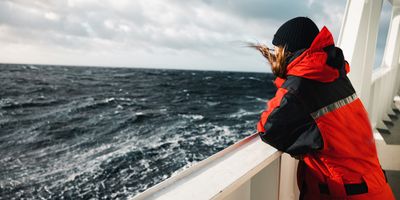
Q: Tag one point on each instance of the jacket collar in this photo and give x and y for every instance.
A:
(311, 63)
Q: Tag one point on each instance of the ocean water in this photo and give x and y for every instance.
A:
(110, 133)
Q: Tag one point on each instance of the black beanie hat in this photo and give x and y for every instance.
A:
(297, 33)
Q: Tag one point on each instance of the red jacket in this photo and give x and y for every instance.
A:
(317, 114)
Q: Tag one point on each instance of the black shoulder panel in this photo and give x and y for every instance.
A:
(315, 94)
(335, 59)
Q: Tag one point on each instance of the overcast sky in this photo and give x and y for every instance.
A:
(195, 34)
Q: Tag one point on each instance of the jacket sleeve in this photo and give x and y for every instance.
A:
(287, 126)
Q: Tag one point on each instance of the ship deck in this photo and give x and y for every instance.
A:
(391, 135)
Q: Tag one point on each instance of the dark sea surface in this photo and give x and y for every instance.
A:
(110, 133)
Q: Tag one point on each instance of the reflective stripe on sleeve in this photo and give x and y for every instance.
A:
(334, 106)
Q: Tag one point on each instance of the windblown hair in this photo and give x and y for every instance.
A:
(276, 59)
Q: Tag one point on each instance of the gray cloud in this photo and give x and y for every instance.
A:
(177, 32)
(277, 10)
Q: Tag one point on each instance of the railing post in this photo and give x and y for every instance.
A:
(288, 189)
(265, 184)
(392, 51)
(358, 37)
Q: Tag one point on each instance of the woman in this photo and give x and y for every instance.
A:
(317, 117)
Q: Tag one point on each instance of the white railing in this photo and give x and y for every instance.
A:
(248, 169)
(381, 103)
(385, 80)
(358, 39)
(253, 170)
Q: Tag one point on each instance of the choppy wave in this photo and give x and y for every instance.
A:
(110, 133)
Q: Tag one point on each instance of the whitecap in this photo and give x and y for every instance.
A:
(241, 112)
(163, 110)
(32, 67)
(194, 116)
(107, 100)
(261, 99)
(124, 99)
(254, 78)
(139, 113)
(211, 103)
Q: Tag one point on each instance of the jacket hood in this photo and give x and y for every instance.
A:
(322, 61)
